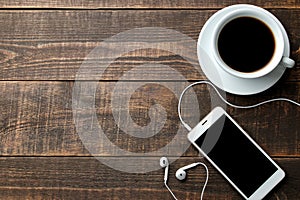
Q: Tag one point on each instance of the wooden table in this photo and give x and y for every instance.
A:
(42, 47)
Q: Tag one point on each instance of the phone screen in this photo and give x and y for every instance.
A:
(239, 159)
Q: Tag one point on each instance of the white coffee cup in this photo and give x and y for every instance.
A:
(277, 60)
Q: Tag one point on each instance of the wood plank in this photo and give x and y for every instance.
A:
(37, 119)
(52, 45)
(142, 4)
(87, 178)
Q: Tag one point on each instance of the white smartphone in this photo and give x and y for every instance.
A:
(236, 155)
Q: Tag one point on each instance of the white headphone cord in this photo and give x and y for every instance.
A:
(170, 190)
(225, 101)
(207, 175)
(204, 186)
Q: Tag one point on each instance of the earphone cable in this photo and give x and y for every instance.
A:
(224, 100)
(170, 190)
(207, 175)
(204, 186)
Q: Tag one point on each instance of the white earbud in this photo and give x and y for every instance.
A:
(165, 164)
(181, 173)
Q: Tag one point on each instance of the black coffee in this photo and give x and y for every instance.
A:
(246, 44)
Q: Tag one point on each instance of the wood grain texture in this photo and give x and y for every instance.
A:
(51, 45)
(37, 118)
(87, 178)
(143, 4)
(42, 46)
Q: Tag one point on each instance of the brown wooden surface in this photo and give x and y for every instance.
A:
(143, 4)
(43, 44)
(51, 45)
(87, 178)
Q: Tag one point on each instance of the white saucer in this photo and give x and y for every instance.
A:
(222, 79)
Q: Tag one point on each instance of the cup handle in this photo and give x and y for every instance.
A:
(287, 62)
